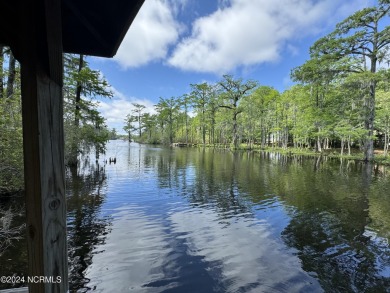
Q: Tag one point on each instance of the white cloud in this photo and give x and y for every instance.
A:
(152, 32)
(248, 32)
(178, 5)
(116, 109)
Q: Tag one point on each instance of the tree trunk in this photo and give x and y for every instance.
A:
(369, 124)
(286, 137)
(73, 160)
(11, 76)
(319, 148)
(139, 124)
(349, 145)
(78, 94)
(170, 128)
(370, 106)
(186, 127)
(1, 71)
(235, 138)
(203, 127)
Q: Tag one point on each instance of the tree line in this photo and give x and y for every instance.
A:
(340, 99)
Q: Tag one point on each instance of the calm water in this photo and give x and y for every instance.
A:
(194, 220)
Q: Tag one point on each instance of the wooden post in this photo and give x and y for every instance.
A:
(43, 143)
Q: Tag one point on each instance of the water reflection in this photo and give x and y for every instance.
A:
(87, 228)
(205, 220)
(241, 253)
(153, 246)
(333, 211)
(134, 254)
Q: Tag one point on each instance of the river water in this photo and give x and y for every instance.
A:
(206, 220)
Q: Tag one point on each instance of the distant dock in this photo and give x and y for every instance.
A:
(183, 145)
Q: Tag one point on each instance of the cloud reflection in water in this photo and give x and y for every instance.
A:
(193, 250)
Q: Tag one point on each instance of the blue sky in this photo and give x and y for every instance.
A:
(173, 43)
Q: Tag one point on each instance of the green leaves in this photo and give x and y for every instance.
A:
(11, 136)
(167, 110)
(93, 84)
(356, 46)
(11, 151)
(85, 128)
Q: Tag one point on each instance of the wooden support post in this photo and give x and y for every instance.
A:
(43, 142)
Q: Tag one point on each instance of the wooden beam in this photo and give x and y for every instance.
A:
(135, 9)
(104, 44)
(43, 143)
(15, 290)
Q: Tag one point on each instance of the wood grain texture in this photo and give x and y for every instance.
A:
(42, 107)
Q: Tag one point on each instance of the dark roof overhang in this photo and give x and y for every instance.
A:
(90, 27)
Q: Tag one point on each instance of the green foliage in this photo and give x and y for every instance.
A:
(113, 134)
(138, 108)
(167, 110)
(11, 151)
(89, 133)
(232, 91)
(201, 96)
(85, 128)
(361, 38)
(129, 126)
(11, 136)
(383, 118)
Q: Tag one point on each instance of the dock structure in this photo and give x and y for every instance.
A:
(38, 33)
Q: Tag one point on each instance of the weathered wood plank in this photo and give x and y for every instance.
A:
(41, 69)
(15, 290)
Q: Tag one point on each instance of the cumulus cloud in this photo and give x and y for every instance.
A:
(152, 32)
(247, 32)
(116, 109)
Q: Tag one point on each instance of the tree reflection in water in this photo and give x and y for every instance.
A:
(87, 227)
(334, 240)
(337, 226)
